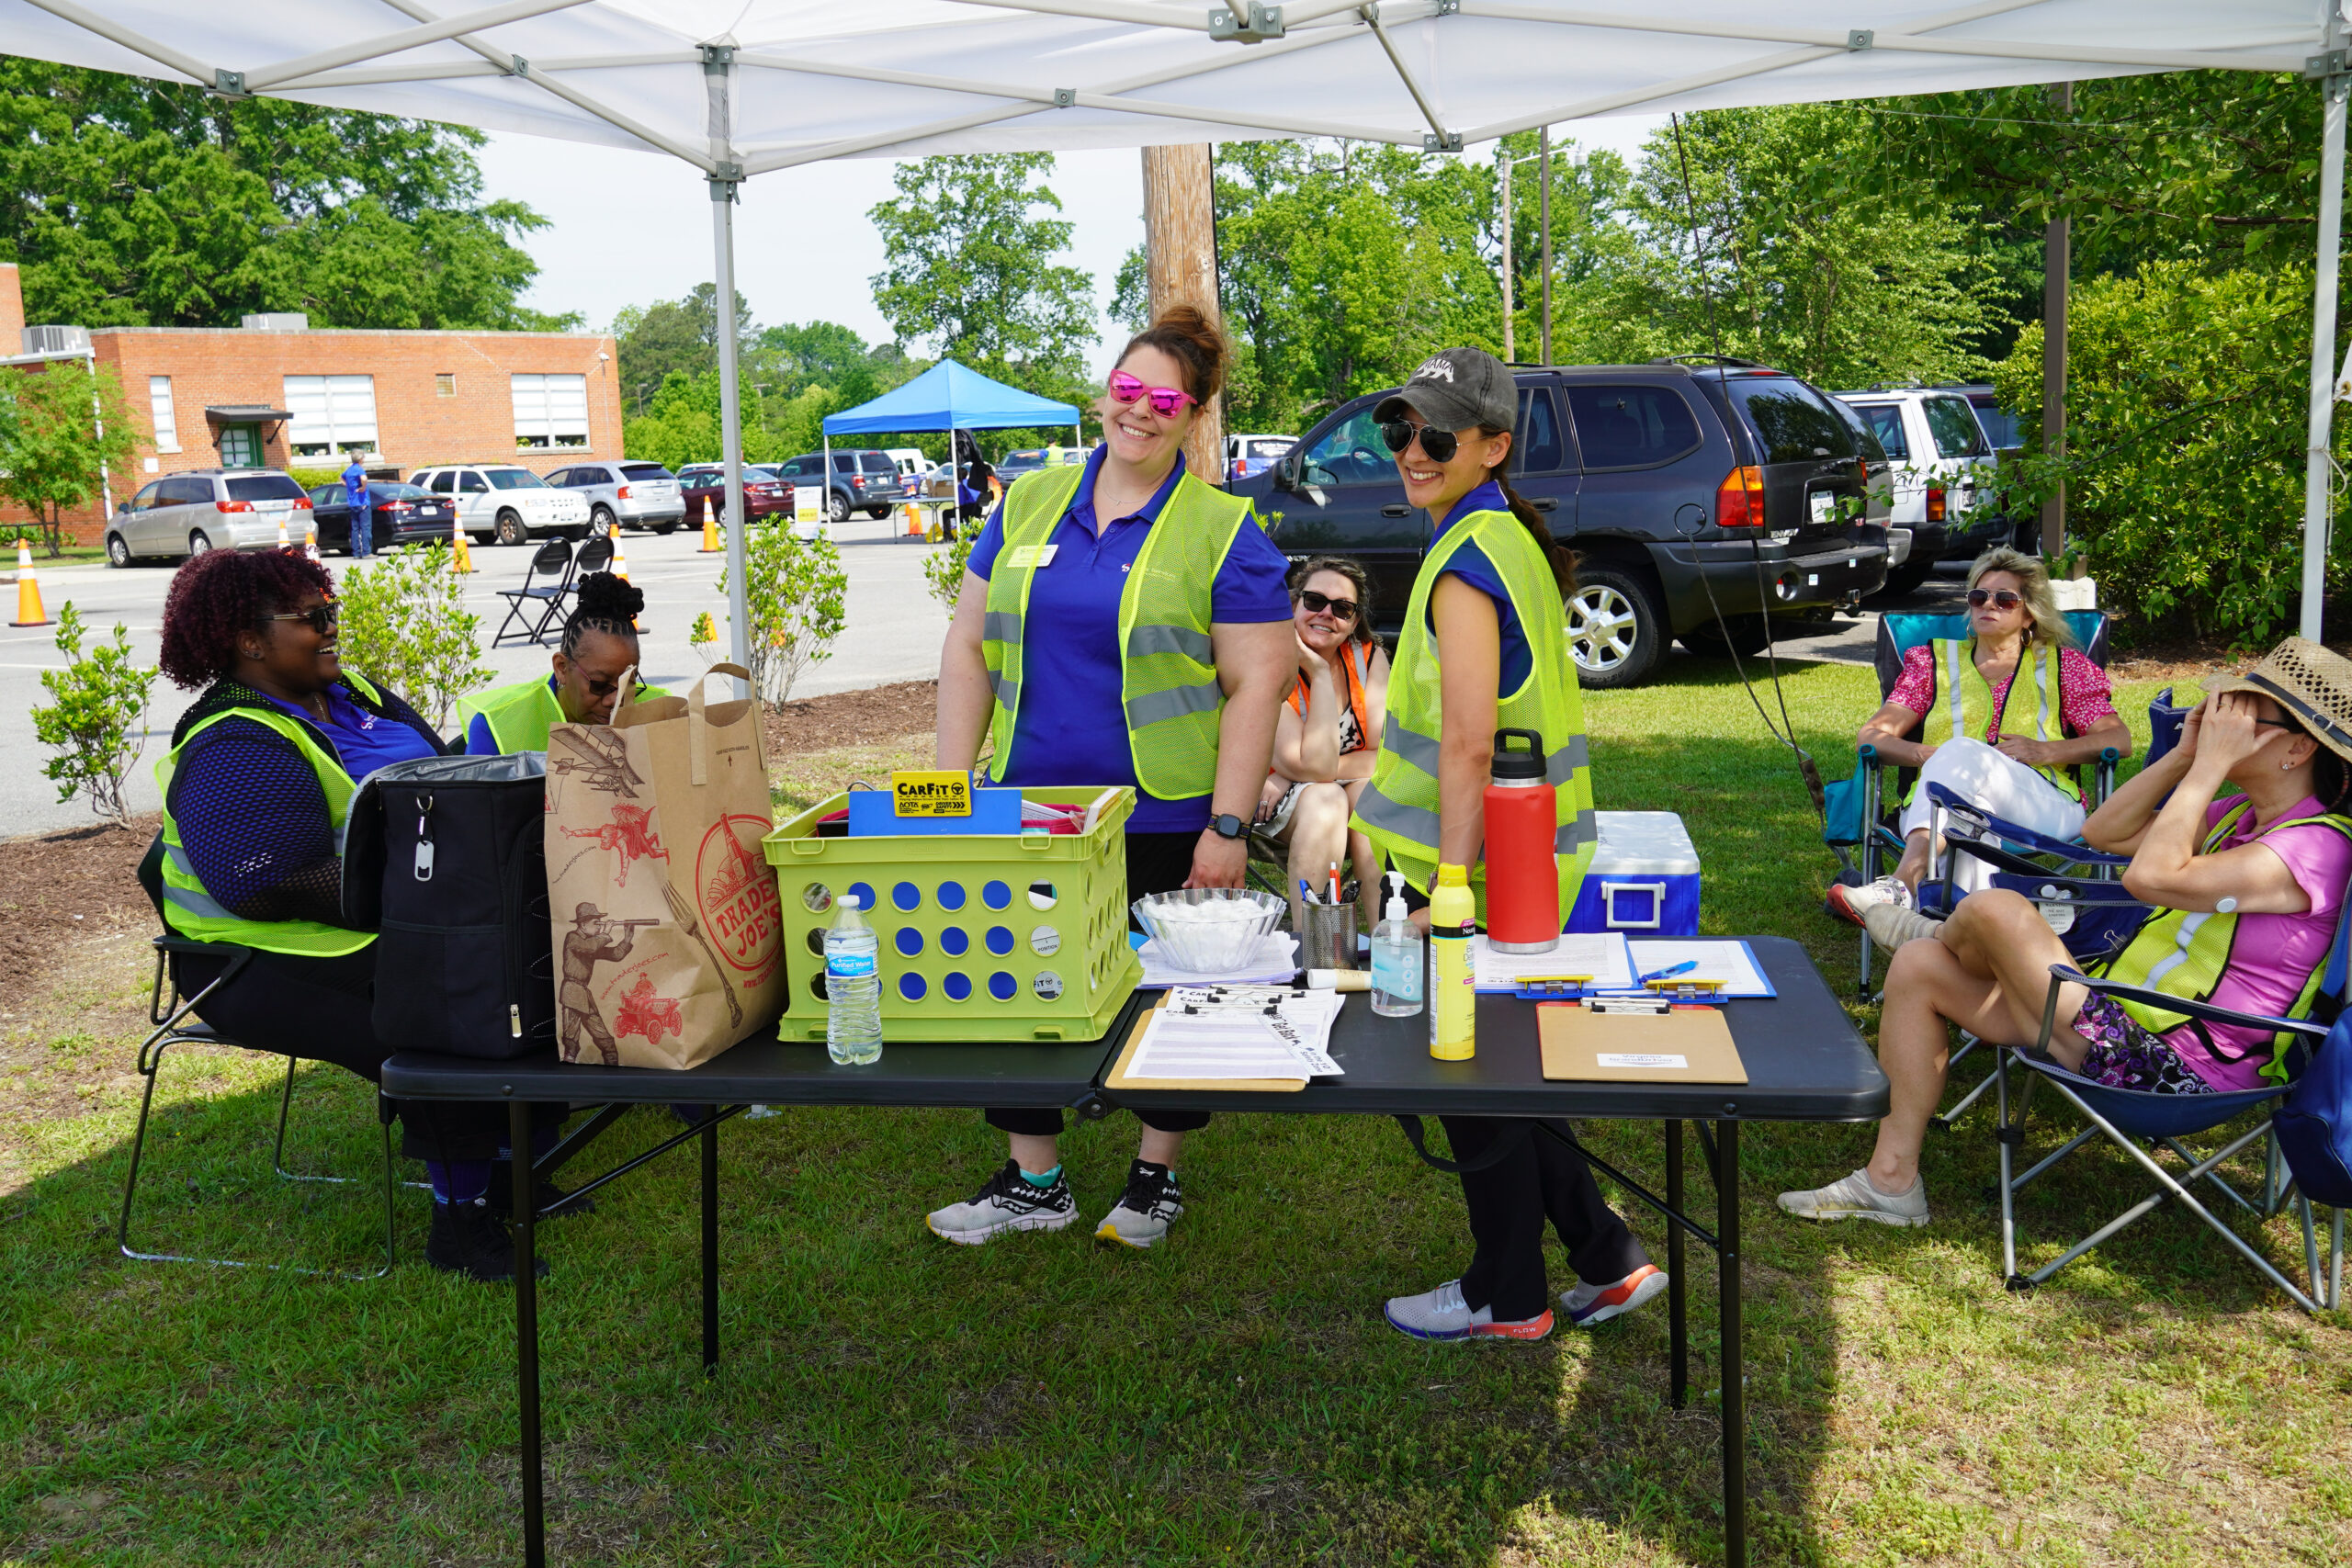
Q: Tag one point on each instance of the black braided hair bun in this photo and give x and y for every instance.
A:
(604, 597)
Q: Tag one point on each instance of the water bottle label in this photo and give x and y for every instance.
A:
(848, 965)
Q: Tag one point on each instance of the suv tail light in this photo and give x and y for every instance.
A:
(302, 503)
(622, 492)
(233, 505)
(1935, 504)
(1739, 499)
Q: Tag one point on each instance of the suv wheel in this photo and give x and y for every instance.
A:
(600, 521)
(1616, 627)
(877, 512)
(197, 544)
(118, 550)
(663, 530)
(511, 530)
(837, 507)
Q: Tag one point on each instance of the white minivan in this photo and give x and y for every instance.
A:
(506, 501)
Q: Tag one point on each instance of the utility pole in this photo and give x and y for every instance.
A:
(1180, 247)
(2057, 260)
(1502, 156)
(1543, 148)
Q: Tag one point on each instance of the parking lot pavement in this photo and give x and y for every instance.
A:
(893, 634)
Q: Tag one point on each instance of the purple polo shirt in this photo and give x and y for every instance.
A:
(1072, 727)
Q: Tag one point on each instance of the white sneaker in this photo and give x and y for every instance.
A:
(1008, 1201)
(1854, 1198)
(1851, 903)
(1588, 1305)
(1151, 1203)
(1443, 1313)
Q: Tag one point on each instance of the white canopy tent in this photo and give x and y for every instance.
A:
(739, 89)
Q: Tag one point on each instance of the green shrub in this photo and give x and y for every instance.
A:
(405, 625)
(96, 726)
(796, 590)
(943, 570)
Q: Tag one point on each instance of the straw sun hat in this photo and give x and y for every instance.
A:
(2312, 684)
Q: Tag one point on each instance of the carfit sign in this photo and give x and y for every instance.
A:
(925, 792)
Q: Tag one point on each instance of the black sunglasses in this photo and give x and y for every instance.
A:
(1317, 603)
(1438, 445)
(2000, 598)
(319, 619)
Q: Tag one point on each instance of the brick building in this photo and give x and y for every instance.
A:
(274, 394)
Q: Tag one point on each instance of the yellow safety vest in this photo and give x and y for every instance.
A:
(2185, 953)
(193, 912)
(1167, 673)
(1967, 697)
(1398, 809)
(520, 714)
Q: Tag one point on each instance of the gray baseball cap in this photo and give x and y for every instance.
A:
(1455, 388)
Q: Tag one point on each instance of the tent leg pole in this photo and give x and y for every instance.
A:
(2316, 464)
(718, 66)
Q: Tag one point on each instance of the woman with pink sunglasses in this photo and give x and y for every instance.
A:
(1123, 623)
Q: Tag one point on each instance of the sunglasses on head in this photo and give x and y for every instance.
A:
(319, 619)
(1166, 401)
(1437, 445)
(1321, 604)
(2000, 598)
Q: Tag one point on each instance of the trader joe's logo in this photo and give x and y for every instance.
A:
(736, 892)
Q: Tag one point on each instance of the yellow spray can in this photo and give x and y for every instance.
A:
(1454, 998)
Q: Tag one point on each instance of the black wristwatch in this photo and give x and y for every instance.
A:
(1227, 826)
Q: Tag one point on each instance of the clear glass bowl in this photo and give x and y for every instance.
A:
(1220, 937)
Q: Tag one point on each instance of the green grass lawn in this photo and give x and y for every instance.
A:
(1231, 1399)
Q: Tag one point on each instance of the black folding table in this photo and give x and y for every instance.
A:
(1805, 1062)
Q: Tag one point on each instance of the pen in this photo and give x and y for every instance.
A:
(1306, 893)
(1335, 882)
(1682, 969)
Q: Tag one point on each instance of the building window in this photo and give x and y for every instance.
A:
(550, 411)
(239, 447)
(445, 384)
(159, 399)
(332, 414)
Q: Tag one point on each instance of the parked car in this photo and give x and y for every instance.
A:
(909, 459)
(403, 515)
(505, 502)
(1943, 476)
(1248, 455)
(207, 509)
(1029, 460)
(1666, 478)
(625, 495)
(766, 493)
(863, 478)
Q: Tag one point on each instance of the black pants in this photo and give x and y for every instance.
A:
(321, 1009)
(1508, 1202)
(1157, 863)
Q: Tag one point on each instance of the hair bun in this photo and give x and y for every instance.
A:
(1186, 333)
(607, 597)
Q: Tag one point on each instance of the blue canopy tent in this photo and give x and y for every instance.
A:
(949, 397)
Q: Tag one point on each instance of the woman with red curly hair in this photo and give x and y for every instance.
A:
(256, 789)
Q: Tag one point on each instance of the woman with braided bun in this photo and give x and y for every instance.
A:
(599, 646)
(256, 789)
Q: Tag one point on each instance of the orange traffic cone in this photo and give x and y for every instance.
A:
(283, 542)
(28, 609)
(711, 545)
(620, 569)
(914, 521)
(311, 538)
(462, 562)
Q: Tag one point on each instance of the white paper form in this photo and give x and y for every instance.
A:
(1726, 959)
(1600, 955)
(1215, 1045)
(1215, 1022)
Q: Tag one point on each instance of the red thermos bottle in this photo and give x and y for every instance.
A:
(1522, 872)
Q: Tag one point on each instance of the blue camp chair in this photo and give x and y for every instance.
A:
(2130, 1118)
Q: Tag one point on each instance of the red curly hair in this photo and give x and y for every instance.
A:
(222, 592)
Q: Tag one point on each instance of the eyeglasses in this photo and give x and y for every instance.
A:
(1166, 401)
(2000, 598)
(1437, 445)
(1320, 603)
(319, 619)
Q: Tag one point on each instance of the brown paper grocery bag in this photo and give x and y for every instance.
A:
(667, 939)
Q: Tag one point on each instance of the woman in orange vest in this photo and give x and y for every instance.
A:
(1328, 735)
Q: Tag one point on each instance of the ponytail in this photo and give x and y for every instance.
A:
(1562, 562)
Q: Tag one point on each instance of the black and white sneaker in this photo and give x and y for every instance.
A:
(467, 1239)
(1144, 1212)
(1008, 1201)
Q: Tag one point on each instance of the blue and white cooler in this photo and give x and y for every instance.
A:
(1643, 880)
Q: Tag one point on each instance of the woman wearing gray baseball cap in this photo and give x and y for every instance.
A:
(1486, 647)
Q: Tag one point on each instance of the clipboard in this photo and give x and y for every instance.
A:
(1118, 1079)
(1682, 1044)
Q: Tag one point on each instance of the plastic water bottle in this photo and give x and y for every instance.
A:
(852, 987)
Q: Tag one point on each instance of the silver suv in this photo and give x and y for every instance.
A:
(630, 495)
(506, 501)
(207, 509)
(1943, 470)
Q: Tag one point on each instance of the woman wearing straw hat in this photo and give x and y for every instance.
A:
(2247, 889)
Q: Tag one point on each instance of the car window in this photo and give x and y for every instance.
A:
(515, 479)
(186, 491)
(469, 483)
(875, 463)
(147, 496)
(845, 463)
(1266, 449)
(2000, 427)
(265, 487)
(1350, 453)
(1954, 425)
(1885, 421)
(1631, 426)
(646, 471)
(1538, 448)
(329, 495)
(441, 484)
(395, 491)
(1790, 420)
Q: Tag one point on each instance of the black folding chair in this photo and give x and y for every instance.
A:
(537, 605)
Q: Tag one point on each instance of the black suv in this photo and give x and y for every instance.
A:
(1653, 474)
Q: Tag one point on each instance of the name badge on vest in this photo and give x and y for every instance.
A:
(1030, 558)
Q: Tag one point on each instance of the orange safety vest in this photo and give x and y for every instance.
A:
(1358, 664)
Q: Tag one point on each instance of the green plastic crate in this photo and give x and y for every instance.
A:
(983, 937)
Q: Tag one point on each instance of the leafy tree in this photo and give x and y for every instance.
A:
(96, 725)
(406, 624)
(680, 334)
(967, 266)
(682, 424)
(821, 353)
(67, 427)
(129, 202)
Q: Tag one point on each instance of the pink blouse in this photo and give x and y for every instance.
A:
(2083, 696)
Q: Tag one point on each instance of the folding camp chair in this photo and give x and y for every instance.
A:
(538, 604)
(2130, 1118)
(174, 1025)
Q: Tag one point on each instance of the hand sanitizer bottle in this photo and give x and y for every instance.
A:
(1396, 957)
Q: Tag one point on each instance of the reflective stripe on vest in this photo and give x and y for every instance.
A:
(1168, 686)
(193, 912)
(1969, 697)
(2185, 953)
(1398, 809)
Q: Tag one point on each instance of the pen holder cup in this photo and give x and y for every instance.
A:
(1330, 940)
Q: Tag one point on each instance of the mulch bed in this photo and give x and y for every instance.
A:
(853, 718)
(61, 887)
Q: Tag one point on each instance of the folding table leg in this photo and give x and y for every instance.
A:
(1734, 1364)
(526, 1336)
(1678, 1314)
(710, 1244)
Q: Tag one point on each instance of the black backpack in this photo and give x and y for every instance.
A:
(446, 858)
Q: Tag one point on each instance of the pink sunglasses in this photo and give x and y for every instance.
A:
(1166, 401)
